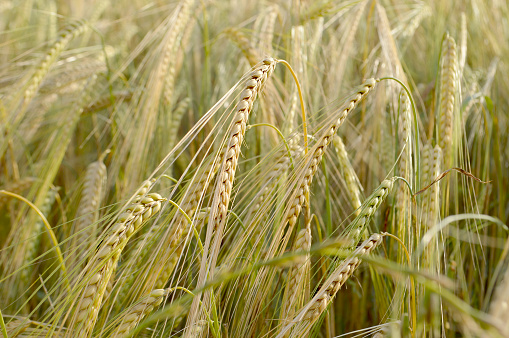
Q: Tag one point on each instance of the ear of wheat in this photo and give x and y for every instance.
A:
(308, 315)
(101, 266)
(226, 175)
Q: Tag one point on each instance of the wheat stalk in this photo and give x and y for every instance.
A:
(312, 311)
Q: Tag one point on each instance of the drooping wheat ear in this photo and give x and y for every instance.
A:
(448, 90)
(16, 187)
(69, 33)
(240, 39)
(368, 209)
(34, 238)
(137, 312)
(252, 87)
(312, 311)
(169, 67)
(316, 153)
(88, 209)
(101, 266)
(298, 277)
(500, 303)
(352, 182)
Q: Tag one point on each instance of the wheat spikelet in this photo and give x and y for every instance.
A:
(312, 311)
(136, 313)
(173, 244)
(352, 182)
(101, 266)
(420, 14)
(88, 209)
(448, 89)
(252, 86)
(297, 277)
(148, 103)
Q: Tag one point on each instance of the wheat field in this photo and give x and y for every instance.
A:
(254, 168)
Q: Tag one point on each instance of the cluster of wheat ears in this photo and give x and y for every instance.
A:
(254, 168)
